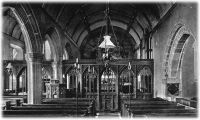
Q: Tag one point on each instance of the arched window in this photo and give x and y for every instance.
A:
(47, 50)
(17, 52)
(65, 55)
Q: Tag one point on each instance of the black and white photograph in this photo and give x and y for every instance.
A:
(99, 59)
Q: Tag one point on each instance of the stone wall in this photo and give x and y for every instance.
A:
(185, 14)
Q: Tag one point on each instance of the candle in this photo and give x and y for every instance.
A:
(129, 65)
(78, 66)
(76, 60)
(89, 69)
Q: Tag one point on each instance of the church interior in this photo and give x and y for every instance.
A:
(107, 59)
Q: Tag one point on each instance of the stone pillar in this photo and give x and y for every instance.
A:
(34, 76)
(57, 71)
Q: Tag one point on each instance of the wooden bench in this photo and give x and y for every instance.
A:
(135, 108)
(172, 115)
(156, 107)
(190, 103)
(66, 100)
(63, 107)
(9, 101)
(38, 112)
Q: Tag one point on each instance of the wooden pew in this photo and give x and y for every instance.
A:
(38, 112)
(190, 103)
(151, 108)
(49, 107)
(13, 101)
(55, 107)
(66, 100)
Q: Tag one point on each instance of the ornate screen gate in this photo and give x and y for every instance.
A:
(109, 86)
(108, 90)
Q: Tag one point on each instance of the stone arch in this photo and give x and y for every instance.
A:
(29, 26)
(52, 47)
(52, 35)
(178, 39)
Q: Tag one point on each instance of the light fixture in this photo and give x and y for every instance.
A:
(107, 44)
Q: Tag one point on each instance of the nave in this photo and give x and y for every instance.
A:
(96, 60)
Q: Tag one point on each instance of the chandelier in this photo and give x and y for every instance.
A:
(107, 44)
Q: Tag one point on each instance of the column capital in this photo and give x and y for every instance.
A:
(34, 57)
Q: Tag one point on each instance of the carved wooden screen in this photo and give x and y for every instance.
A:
(108, 81)
(144, 81)
(73, 85)
(89, 82)
(127, 82)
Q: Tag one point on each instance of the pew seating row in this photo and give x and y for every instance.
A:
(155, 108)
(69, 107)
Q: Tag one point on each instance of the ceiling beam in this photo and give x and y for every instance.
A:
(57, 25)
(60, 12)
(85, 21)
(131, 21)
(165, 16)
(84, 18)
(13, 40)
(76, 10)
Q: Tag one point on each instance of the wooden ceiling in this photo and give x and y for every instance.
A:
(84, 21)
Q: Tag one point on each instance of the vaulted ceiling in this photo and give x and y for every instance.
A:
(83, 23)
(130, 21)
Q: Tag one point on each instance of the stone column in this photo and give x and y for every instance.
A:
(34, 76)
(57, 71)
